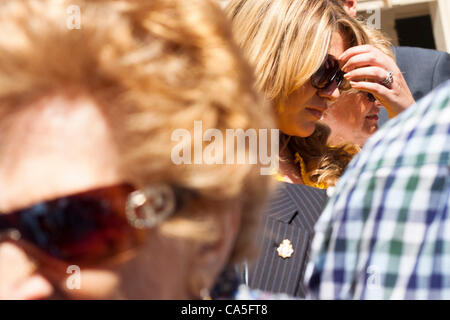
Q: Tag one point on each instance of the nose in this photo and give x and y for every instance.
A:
(331, 92)
(18, 279)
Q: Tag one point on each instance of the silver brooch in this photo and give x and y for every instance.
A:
(285, 249)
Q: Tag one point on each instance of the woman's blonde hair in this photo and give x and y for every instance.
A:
(286, 41)
(154, 67)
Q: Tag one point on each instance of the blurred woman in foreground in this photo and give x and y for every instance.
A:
(86, 176)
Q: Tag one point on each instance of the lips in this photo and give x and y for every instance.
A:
(317, 113)
(373, 117)
(373, 114)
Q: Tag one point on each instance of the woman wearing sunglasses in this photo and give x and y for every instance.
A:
(91, 204)
(294, 48)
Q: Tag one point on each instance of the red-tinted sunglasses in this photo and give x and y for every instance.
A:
(91, 226)
(329, 72)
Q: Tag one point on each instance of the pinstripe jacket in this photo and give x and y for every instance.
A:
(291, 214)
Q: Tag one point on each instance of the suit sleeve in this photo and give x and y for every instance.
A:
(441, 70)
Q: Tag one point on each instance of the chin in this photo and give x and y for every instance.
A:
(303, 130)
(308, 130)
(299, 133)
(373, 130)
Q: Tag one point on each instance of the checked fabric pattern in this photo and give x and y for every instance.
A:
(385, 234)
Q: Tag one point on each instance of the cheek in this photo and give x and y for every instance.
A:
(159, 270)
(336, 112)
(339, 114)
(292, 117)
(348, 110)
(299, 99)
(19, 277)
(310, 96)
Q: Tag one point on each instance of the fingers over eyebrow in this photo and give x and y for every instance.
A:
(354, 51)
(373, 73)
(372, 87)
(362, 60)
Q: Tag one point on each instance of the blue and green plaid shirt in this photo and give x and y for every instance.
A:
(385, 234)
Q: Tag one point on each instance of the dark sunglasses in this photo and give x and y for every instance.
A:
(329, 72)
(370, 97)
(92, 226)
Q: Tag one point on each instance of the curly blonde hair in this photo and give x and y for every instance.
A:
(154, 66)
(324, 164)
(287, 41)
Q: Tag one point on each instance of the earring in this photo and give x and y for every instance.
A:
(148, 207)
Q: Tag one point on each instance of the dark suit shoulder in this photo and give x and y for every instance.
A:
(423, 69)
(417, 52)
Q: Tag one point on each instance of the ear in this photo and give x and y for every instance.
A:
(351, 7)
(211, 258)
